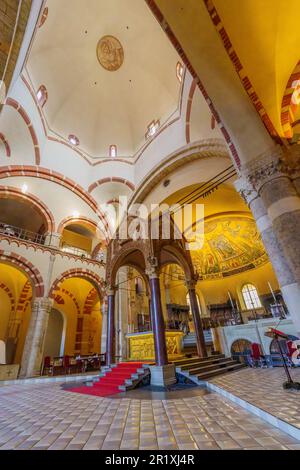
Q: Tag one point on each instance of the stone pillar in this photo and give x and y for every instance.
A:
(158, 323)
(275, 206)
(110, 342)
(162, 374)
(32, 358)
(268, 177)
(123, 303)
(201, 347)
(104, 327)
(150, 310)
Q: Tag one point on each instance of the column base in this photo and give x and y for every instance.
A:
(162, 376)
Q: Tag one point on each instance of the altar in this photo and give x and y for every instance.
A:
(141, 345)
(9, 371)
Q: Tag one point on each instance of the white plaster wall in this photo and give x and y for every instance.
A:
(229, 334)
(61, 201)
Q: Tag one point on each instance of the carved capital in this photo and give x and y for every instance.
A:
(265, 168)
(43, 303)
(152, 268)
(191, 284)
(290, 162)
(110, 290)
(246, 190)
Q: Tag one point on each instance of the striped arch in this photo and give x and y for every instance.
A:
(14, 104)
(86, 274)
(189, 110)
(73, 220)
(290, 102)
(24, 299)
(27, 268)
(60, 300)
(113, 179)
(10, 295)
(89, 301)
(6, 145)
(9, 192)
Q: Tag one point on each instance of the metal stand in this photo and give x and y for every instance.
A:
(289, 384)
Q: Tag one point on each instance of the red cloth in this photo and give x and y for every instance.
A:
(109, 384)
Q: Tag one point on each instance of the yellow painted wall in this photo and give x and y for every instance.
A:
(76, 240)
(216, 291)
(92, 323)
(15, 281)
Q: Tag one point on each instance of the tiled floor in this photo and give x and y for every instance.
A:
(48, 417)
(263, 388)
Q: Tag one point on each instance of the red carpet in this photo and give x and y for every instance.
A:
(109, 385)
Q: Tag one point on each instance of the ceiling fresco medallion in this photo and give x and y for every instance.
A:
(110, 53)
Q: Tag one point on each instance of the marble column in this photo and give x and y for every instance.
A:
(34, 343)
(158, 323)
(289, 286)
(104, 327)
(110, 338)
(269, 178)
(201, 347)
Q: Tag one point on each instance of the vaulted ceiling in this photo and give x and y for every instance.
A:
(112, 97)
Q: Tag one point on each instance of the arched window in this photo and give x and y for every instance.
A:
(113, 151)
(250, 296)
(179, 71)
(73, 139)
(152, 128)
(42, 95)
(189, 304)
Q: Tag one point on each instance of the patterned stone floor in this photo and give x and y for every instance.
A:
(263, 388)
(49, 417)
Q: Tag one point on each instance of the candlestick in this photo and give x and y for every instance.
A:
(230, 298)
(270, 287)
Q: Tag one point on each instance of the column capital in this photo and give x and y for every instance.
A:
(111, 290)
(43, 303)
(152, 268)
(191, 284)
(265, 168)
(246, 190)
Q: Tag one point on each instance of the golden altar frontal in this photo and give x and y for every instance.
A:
(141, 345)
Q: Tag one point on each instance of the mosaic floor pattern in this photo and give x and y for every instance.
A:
(48, 417)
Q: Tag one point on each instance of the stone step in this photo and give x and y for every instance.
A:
(196, 359)
(230, 368)
(219, 365)
(194, 364)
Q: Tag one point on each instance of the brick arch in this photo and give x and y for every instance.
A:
(73, 220)
(189, 111)
(14, 104)
(89, 301)
(27, 268)
(10, 295)
(288, 107)
(86, 274)
(112, 179)
(55, 177)
(72, 297)
(6, 145)
(9, 192)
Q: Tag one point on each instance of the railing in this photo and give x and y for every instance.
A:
(75, 251)
(16, 232)
(51, 240)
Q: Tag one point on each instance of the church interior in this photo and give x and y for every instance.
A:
(149, 225)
